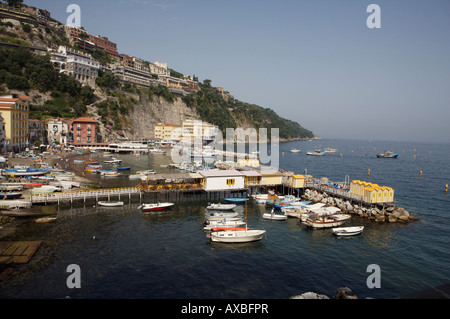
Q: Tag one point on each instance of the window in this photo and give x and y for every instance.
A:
(230, 182)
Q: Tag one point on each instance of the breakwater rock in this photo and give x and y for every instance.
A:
(378, 212)
(341, 293)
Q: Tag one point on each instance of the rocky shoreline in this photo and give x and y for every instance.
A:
(379, 213)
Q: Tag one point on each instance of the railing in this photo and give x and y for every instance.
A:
(86, 194)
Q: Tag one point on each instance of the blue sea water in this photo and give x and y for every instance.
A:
(125, 254)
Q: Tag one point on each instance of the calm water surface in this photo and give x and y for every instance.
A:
(125, 254)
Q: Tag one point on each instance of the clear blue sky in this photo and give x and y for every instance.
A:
(313, 61)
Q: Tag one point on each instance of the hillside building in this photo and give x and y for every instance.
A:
(15, 109)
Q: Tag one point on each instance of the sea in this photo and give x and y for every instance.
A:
(122, 253)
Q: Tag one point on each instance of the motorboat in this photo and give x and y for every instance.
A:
(224, 222)
(237, 236)
(124, 168)
(330, 150)
(223, 214)
(110, 203)
(347, 231)
(387, 154)
(315, 153)
(221, 206)
(155, 207)
(295, 150)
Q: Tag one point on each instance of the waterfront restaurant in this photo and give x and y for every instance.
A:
(222, 180)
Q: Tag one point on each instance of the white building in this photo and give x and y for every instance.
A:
(75, 63)
(222, 180)
(58, 131)
(197, 130)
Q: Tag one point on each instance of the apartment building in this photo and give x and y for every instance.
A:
(194, 130)
(14, 109)
(75, 63)
(168, 131)
(83, 129)
(89, 42)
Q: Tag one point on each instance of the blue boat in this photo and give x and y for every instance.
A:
(236, 200)
(387, 154)
(124, 168)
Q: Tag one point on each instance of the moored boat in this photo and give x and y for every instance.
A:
(155, 207)
(273, 216)
(347, 231)
(45, 220)
(294, 150)
(236, 200)
(110, 203)
(221, 206)
(326, 218)
(237, 236)
(10, 195)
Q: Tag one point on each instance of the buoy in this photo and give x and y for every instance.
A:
(446, 188)
(420, 173)
(368, 171)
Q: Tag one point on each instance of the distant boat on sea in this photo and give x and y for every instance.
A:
(294, 150)
(387, 154)
(315, 153)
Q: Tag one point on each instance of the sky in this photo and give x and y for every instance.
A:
(315, 62)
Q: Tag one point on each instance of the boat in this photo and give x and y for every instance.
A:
(347, 231)
(224, 222)
(224, 214)
(45, 220)
(124, 168)
(236, 200)
(387, 154)
(78, 161)
(237, 236)
(111, 174)
(274, 216)
(113, 161)
(110, 203)
(155, 207)
(221, 206)
(295, 150)
(326, 218)
(330, 150)
(13, 172)
(315, 153)
(10, 195)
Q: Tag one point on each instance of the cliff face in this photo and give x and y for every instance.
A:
(146, 114)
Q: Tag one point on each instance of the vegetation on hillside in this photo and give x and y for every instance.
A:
(24, 71)
(226, 113)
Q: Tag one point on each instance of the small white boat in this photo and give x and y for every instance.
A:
(294, 150)
(237, 236)
(315, 153)
(110, 203)
(347, 231)
(221, 206)
(274, 216)
(232, 222)
(325, 219)
(330, 150)
(224, 214)
(111, 174)
(113, 161)
(155, 207)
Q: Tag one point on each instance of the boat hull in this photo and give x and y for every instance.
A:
(237, 236)
(236, 200)
(221, 206)
(110, 204)
(348, 231)
(155, 207)
(274, 216)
